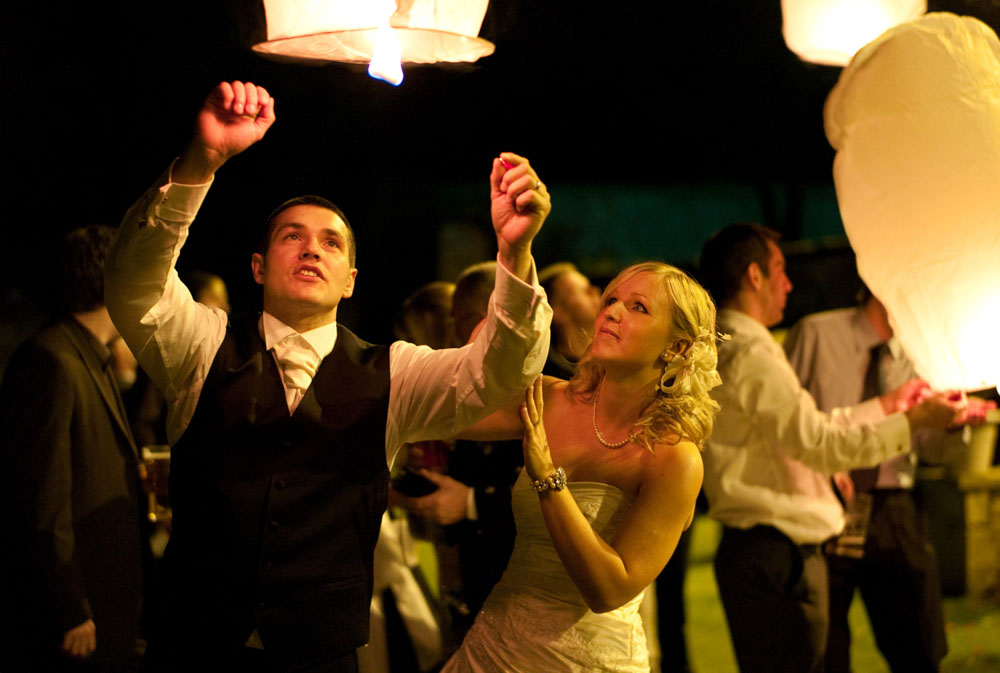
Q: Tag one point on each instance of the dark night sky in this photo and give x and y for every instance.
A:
(99, 97)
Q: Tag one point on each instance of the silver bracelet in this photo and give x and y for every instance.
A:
(555, 481)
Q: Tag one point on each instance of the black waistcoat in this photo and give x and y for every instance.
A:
(276, 516)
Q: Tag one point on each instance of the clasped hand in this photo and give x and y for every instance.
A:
(445, 506)
(234, 116)
(80, 641)
(940, 410)
(519, 203)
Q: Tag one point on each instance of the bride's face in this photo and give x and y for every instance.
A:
(633, 326)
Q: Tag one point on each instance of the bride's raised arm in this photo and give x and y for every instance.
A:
(610, 575)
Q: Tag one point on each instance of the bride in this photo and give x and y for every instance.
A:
(612, 470)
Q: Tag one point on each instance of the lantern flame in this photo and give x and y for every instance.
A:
(386, 63)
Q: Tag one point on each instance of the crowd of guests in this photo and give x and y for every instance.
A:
(548, 437)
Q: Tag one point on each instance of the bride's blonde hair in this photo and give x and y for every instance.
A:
(681, 407)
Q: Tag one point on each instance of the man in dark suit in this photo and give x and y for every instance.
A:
(70, 486)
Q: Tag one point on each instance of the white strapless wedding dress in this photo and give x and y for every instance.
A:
(535, 621)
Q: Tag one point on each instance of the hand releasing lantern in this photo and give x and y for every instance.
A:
(915, 120)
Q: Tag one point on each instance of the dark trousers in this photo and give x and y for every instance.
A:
(670, 614)
(899, 583)
(774, 594)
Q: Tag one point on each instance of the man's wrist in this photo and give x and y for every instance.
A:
(516, 259)
(176, 202)
(196, 165)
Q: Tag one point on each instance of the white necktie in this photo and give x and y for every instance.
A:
(298, 362)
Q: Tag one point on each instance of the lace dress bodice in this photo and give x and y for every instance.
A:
(535, 620)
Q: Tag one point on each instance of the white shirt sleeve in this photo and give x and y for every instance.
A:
(173, 337)
(437, 393)
(774, 401)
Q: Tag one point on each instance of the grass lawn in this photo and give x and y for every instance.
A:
(973, 624)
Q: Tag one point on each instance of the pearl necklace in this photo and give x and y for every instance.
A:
(597, 433)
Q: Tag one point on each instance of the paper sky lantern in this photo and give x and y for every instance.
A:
(359, 31)
(830, 31)
(915, 120)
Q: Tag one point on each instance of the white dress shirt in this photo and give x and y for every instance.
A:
(829, 352)
(772, 451)
(433, 394)
(298, 356)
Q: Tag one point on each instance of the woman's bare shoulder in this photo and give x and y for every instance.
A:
(674, 459)
(556, 391)
(551, 384)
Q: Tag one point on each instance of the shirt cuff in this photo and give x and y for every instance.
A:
(869, 411)
(470, 505)
(176, 202)
(895, 428)
(515, 297)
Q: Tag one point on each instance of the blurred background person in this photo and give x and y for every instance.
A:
(70, 486)
(843, 357)
(207, 288)
(575, 302)
(125, 368)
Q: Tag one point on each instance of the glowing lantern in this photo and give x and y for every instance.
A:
(915, 120)
(351, 31)
(831, 31)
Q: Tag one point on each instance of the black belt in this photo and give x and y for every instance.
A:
(771, 531)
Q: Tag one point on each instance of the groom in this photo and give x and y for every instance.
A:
(283, 425)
